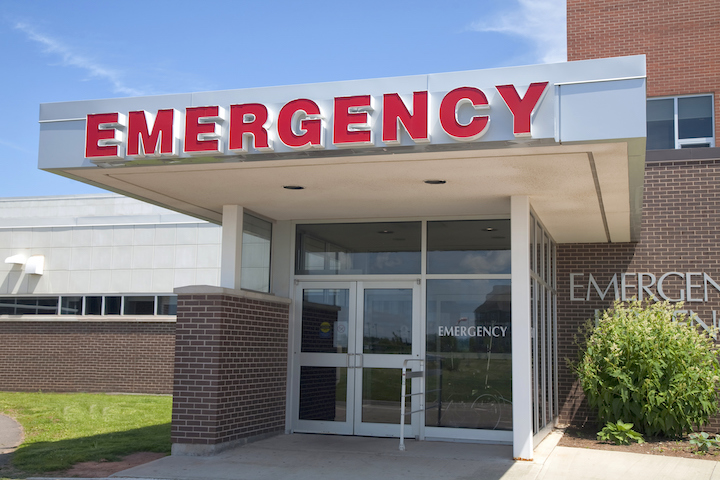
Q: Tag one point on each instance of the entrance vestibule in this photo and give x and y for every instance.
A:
(370, 296)
(353, 340)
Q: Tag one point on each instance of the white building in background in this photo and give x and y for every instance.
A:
(102, 254)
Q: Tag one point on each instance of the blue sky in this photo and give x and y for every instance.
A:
(55, 51)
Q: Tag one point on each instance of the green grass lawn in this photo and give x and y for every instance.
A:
(64, 429)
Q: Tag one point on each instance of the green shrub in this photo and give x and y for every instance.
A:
(703, 442)
(619, 433)
(641, 367)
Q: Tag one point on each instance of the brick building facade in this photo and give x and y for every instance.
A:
(681, 198)
(128, 356)
(681, 214)
(679, 38)
(231, 362)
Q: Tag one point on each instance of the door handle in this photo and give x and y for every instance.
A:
(354, 360)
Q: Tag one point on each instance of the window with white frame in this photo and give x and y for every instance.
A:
(680, 122)
(140, 305)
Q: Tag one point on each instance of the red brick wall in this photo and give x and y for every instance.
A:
(231, 359)
(77, 356)
(681, 39)
(681, 220)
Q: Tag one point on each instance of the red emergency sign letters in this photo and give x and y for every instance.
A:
(301, 124)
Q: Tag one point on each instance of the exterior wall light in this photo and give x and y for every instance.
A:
(35, 265)
(18, 259)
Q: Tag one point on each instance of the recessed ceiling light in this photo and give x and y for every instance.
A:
(293, 187)
(435, 182)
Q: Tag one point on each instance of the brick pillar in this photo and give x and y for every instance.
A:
(231, 357)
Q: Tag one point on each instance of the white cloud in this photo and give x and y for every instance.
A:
(73, 59)
(543, 22)
(14, 146)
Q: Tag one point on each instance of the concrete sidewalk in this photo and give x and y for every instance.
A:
(324, 457)
(320, 457)
(11, 437)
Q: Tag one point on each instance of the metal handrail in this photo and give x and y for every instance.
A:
(403, 395)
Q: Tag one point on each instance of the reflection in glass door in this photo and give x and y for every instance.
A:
(353, 339)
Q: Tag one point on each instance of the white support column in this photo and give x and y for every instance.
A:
(231, 256)
(521, 325)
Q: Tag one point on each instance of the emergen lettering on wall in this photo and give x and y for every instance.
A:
(464, 114)
(693, 287)
(686, 287)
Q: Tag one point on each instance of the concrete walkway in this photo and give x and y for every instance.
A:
(11, 437)
(324, 457)
(320, 457)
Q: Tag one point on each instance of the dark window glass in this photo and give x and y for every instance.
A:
(695, 117)
(112, 305)
(469, 246)
(358, 248)
(660, 124)
(71, 306)
(469, 360)
(93, 305)
(325, 320)
(7, 306)
(29, 306)
(167, 305)
(387, 320)
(139, 306)
(323, 394)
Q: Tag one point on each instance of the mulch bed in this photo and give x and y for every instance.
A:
(585, 437)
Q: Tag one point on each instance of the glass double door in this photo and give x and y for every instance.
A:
(350, 345)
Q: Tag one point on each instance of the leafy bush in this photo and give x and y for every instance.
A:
(703, 442)
(619, 433)
(642, 367)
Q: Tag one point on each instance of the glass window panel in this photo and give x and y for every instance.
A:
(167, 305)
(533, 265)
(660, 110)
(71, 306)
(323, 394)
(547, 272)
(380, 395)
(387, 320)
(255, 267)
(358, 248)
(468, 246)
(539, 248)
(695, 117)
(93, 305)
(112, 305)
(469, 358)
(7, 306)
(325, 320)
(25, 306)
(660, 124)
(36, 306)
(139, 306)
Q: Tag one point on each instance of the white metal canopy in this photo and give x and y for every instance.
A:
(581, 167)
